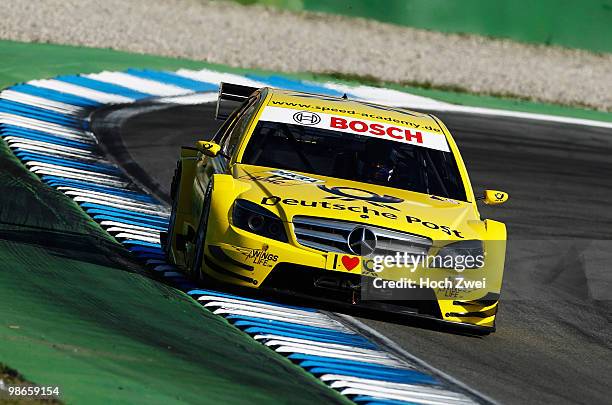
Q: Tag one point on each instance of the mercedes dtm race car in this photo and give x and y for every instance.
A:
(339, 200)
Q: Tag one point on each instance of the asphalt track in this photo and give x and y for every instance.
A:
(554, 338)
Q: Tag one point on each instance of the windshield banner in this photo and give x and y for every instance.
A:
(395, 132)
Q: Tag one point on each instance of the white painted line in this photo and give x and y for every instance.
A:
(51, 166)
(370, 332)
(283, 340)
(214, 77)
(383, 383)
(84, 188)
(266, 312)
(521, 115)
(267, 305)
(58, 154)
(50, 145)
(388, 97)
(44, 126)
(338, 355)
(53, 147)
(61, 173)
(442, 395)
(122, 206)
(86, 191)
(139, 84)
(128, 226)
(125, 227)
(148, 234)
(249, 306)
(395, 98)
(111, 198)
(396, 396)
(192, 99)
(134, 236)
(22, 143)
(69, 88)
(253, 314)
(364, 353)
(40, 102)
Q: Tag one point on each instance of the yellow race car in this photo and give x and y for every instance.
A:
(338, 200)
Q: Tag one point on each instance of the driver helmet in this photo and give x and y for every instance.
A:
(376, 161)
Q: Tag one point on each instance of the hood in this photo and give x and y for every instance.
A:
(289, 193)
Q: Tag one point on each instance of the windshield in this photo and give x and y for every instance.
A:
(354, 157)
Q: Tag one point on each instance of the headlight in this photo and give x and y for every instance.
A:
(258, 220)
(467, 254)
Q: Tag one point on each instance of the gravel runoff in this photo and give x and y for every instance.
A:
(259, 37)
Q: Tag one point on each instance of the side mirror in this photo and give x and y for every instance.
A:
(208, 148)
(495, 197)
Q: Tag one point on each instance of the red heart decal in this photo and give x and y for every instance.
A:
(350, 262)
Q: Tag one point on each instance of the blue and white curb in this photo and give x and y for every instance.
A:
(45, 123)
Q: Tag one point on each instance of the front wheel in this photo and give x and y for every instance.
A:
(200, 240)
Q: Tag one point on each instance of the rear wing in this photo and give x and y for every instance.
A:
(231, 96)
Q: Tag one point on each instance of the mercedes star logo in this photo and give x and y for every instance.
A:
(306, 118)
(362, 241)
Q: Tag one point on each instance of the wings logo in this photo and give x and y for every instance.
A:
(257, 256)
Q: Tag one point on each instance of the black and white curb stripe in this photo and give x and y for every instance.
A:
(45, 124)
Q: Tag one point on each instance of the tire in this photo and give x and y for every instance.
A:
(196, 270)
(174, 195)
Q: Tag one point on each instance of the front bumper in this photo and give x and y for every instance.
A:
(281, 268)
